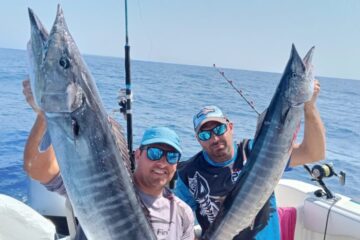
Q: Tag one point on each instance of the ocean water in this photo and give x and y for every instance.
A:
(169, 95)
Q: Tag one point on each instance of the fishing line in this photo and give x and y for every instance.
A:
(126, 25)
(328, 215)
(147, 29)
(249, 102)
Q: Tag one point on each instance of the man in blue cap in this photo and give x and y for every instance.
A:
(208, 177)
(156, 162)
(152, 176)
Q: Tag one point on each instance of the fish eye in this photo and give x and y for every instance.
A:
(294, 75)
(64, 62)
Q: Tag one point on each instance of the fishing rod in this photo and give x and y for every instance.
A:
(125, 102)
(250, 103)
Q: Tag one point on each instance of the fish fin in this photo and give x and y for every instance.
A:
(118, 133)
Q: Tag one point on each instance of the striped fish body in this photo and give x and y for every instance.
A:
(93, 158)
(271, 150)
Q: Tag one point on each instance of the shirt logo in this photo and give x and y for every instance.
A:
(199, 188)
(235, 175)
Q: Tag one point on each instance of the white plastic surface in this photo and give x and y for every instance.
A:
(18, 221)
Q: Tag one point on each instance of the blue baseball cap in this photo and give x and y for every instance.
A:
(161, 135)
(207, 114)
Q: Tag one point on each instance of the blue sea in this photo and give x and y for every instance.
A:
(169, 95)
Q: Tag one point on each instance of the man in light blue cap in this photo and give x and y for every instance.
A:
(156, 162)
(159, 145)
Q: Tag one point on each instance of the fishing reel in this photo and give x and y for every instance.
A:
(122, 101)
(319, 172)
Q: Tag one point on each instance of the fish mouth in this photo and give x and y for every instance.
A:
(36, 49)
(37, 28)
(38, 40)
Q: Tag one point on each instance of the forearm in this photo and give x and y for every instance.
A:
(314, 135)
(313, 146)
(40, 165)
(37, 132)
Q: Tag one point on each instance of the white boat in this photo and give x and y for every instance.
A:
(340, 217)
(316, 217)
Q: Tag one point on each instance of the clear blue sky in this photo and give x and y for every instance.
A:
(253, 35)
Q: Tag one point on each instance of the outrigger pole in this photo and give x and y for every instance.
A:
(127, 106)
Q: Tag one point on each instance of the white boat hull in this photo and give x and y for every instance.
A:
(311, 213)
(344, 217)
(19, 221)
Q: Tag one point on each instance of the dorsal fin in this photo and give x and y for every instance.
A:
(118, 133)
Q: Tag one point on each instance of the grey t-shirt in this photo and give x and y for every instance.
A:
(170, 217)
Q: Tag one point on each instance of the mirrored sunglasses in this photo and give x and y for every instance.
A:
(155, 154)
(219, 130)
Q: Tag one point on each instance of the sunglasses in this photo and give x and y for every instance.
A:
(219, 130)
(155, 154)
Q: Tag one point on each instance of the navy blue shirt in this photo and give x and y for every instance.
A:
(204, 185)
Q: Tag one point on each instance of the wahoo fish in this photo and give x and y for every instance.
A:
(271, 150)
(93, 159)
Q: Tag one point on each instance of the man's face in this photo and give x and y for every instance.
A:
(219, 148)
(153, 174)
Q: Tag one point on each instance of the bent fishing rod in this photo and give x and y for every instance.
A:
(239, 91)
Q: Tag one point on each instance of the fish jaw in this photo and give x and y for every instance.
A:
(299, 77)
(35, 48)
(56, 69)
(309, 72)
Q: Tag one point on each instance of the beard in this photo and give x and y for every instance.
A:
(220, 150)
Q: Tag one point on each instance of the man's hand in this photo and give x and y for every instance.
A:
(30, 97)
(39, 165)
(313, 99)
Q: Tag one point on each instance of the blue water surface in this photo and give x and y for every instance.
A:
(169, 95)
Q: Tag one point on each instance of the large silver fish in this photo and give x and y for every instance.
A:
(93, 159)
(271, 150)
